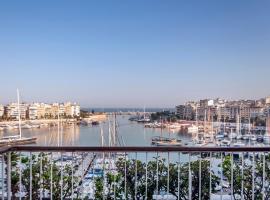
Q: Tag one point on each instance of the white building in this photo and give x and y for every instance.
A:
(12, 110)
(33, 111)
(2, 110)
(72, 110)
(75, 110)
(267, 100)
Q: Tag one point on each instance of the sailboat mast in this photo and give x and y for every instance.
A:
(196, 116)
(58, 127)
(102, 135)
(19, 113)
(114, 130)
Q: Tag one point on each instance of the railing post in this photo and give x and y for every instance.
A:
(221, 176)
(189, 179)
(72, 179)
(210, 176)
(178, 177)
(136, 175)
(146, 176)
(41, 181)
(157, 176)
(20, 177)
(104, 177)
(82, 173)
(242, 178)
(168, 176)
(231, 176)
(253, 177)
(51, 177)
(61, 181)
(3, 177)
(263, 190)
(31, 177)
(200, 176)
(9, 176)
(125, 175)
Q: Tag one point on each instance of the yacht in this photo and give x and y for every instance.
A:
(245, 137)
(259, 138)
(239, 137)
(224, 143)
(11, 140)
(266, 139)
(219, 136)
(17, 139)
(163, 141)
(172, 142)
(233, 135)
(238, 144)
(253, 138)
(193, 129)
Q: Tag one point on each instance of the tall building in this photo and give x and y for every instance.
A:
(267, 100)
(1, 110)
(184, 111)
(12, 111)
(72, 110)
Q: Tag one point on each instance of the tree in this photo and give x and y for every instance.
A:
(247, 177)
(162, 178)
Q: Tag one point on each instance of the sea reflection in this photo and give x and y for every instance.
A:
(128, 133)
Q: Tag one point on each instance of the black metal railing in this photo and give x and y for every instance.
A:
(77, 172)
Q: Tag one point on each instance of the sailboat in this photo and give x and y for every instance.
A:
(144, 119)
(266, 138)
(17, 139)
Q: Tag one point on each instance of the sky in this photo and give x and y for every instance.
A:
(152, 53)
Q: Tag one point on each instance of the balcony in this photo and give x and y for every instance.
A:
(199, 173)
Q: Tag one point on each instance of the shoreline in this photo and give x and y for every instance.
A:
(98, 118)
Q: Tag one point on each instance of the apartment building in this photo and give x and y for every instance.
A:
(37, 111)
(72, 110)
(185, 111)
(222, 109)
(267, 100)
(2, 110)
(12, 111)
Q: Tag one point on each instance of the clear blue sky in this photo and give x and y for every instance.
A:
(134, 53)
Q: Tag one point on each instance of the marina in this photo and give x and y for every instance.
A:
(132, 133)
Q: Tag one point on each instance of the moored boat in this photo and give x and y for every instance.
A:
(172, 142)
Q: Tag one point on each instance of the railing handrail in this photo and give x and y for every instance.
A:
(130, 149)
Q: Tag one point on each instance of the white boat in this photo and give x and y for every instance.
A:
(239, 137)
(253, 138)
(193, 129)
(174, 126)
(173, 142)
(18, 139)
(238, 144)
(266, 139)
(225, 143)
(219, 137)
(233, 135)
(245, 137)
(26, 126)
(10, 140)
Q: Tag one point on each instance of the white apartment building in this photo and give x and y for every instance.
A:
(72, 110)
(12, 110)
(267, 100)
(33, 111)
(75, 110)
(2, 110)
(37, 111)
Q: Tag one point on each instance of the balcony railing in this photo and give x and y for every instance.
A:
(39, 172)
